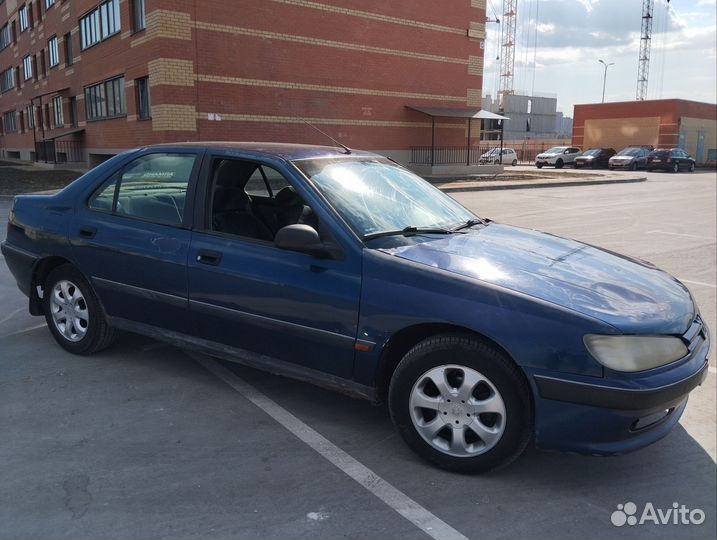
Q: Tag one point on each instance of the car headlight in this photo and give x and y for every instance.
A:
(635, 353)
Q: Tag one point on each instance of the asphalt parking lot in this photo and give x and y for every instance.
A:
(143, 441)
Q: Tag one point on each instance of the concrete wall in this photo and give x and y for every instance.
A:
(625, 132)
(661, 123)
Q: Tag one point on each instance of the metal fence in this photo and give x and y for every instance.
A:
(457, 155)
(448, 155)
(54, 151)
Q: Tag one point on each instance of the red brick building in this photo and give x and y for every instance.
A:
(665, 123)
(83, 79)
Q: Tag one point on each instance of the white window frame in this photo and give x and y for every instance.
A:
(49, 3)
(59, 113)
(53, 47)
(23, 18)
(27, 67)
(30, 114)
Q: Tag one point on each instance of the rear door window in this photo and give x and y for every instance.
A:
(152, 188)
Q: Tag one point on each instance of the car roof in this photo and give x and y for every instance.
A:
(286, 151)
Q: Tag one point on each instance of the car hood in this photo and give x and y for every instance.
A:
(631, 295)
(548, 155)
(622, 158)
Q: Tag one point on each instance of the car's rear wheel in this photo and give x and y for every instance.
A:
(73, 312)
(675, 167)
(559, 164)
(514, 163)
(461, 404)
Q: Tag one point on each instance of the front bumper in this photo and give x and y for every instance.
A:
(545, 161)
(618, 415)
(621, 165)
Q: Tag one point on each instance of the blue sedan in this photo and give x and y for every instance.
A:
(344, 269)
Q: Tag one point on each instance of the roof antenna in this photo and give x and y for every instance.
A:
(346, 148)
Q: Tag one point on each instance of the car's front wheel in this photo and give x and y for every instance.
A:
(514, 163)
(675, 167)
(539, 165)
(559, 164)
(692, 167)
(73, 312)
(461, 404)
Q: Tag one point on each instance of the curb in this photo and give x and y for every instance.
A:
(486, 186)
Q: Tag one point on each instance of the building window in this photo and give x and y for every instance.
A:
(49, 3)
(144, 103)
(105, 99)
(5, 36)
(73, 111)
(7, 79)
(30, 114)
(24, 19)
(54, 49)
(39, 12)
(59, 113)
(69, 60)
(27, 67)
(138, 15)
(43, 63)
(9, 122)
(100, 23)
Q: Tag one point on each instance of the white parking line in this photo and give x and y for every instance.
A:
(700, 283)
(397, 500)
(25, 330)
(657, 231)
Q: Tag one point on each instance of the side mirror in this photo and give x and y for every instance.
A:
(304, 239)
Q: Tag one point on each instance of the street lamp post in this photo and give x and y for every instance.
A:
(604, 78)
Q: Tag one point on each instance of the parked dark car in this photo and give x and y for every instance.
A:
(632, 157)
(670, 159)
(344, 269)
(594, 158)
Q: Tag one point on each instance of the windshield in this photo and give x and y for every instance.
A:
(556, 150)
(592, 152)
(629, 152)
(374, 195)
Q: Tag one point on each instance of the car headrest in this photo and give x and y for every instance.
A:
(287, 196)
(232, 173)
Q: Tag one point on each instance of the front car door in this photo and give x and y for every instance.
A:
(266, 304)
(131, 238)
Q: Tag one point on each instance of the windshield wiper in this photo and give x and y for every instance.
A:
(408, 231)
(470, 223)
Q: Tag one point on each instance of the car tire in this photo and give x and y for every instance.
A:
(539, 165)
(692, 167)
(73, 313)
(675, 167)
(577, 166)
(487, 378)
(496, 162)
(559, 164)
(515, 162)
(611, 167)
(633, 166)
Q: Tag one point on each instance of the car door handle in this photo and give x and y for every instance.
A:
(212, 258)
(88, 232)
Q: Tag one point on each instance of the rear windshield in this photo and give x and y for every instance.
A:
(660, 153)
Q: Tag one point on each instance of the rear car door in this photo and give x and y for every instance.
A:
(266, 303)
(131, 238)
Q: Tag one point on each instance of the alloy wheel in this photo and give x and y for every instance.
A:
(69, 310)
(457, 410)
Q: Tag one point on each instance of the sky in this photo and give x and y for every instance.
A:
(559, 43)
